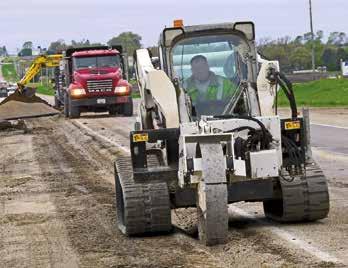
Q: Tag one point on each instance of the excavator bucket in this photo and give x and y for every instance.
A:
(25, 104)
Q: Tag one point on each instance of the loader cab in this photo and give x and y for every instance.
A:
(214, 64)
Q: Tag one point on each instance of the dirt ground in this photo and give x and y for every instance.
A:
(57, 209)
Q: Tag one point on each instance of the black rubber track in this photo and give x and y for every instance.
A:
(141, 207)
(306, 198)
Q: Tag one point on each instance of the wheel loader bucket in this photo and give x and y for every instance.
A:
(25, 104)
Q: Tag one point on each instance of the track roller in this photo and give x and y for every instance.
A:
(141, 207)
(305, 198)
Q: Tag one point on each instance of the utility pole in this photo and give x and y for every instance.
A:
(312, 35)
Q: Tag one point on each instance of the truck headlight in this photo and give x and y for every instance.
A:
(122, 90)
(77, 92)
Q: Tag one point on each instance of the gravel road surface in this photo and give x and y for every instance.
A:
(57, 207)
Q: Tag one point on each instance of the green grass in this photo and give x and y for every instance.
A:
(43, 89)
(136, 95)
(132, 81)
(9, 72)
(321, 93)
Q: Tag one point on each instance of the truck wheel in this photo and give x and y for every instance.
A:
(113, 111)
(74, 112)
(66, 105)
(128, 108)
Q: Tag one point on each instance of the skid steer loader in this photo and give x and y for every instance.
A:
(209, 143)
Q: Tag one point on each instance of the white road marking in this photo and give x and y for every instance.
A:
(291, 238)
(324, 125)
(324, 256)
(105, 139)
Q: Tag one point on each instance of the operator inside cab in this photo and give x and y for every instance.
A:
(204, 85)
(210, 68)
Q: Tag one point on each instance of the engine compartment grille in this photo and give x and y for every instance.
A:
(99, 85)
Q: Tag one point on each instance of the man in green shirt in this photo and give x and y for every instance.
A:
(204, 85)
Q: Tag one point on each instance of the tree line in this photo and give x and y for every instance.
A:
(292, 53)
(130, 41)
(295, 53)
(3, 51)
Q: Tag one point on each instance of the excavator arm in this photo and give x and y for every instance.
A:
(38, 63)
(24, 103)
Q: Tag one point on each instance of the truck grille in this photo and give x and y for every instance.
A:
(99, 85)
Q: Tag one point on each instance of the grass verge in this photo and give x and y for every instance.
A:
(136, 95)
(43, 89)
(320, 93)
(9, 72)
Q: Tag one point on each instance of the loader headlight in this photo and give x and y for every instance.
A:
(77, 92)
(122, 90)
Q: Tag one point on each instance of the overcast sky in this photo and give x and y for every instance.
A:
(43, 21)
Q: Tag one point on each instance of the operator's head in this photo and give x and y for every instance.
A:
(200, 68)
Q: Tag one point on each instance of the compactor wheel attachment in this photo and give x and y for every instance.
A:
(212, 196)
(141, 207)
(304, 198)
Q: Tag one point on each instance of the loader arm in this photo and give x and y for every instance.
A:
(34, 69)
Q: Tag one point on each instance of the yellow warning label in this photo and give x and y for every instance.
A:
(292, 125)
(140, 137)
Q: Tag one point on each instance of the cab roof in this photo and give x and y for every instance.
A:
(96, 52)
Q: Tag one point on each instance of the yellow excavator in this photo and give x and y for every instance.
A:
(38, 63)
(24, 103)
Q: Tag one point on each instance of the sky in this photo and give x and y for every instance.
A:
(43, 21)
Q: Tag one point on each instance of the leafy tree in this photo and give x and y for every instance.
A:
(3, 51)
(57, 46)
(329, 58)
(319, 36)
(25, 52)
(296, 54)
(299, 58)
(128, 40)
(337, 38)
(298, 40)
(28, 45)
(84, 43)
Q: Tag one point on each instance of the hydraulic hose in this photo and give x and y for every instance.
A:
(265, 141)
(286, 85)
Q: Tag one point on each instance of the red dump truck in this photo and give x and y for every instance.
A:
(93, 79)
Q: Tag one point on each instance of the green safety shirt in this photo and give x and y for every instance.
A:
(219, 88)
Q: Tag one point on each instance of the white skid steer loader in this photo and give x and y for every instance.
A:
(208, 135)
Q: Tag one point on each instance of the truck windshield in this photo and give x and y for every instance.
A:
(210, 69)
(96, 62)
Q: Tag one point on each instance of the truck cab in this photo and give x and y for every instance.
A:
(93, 79)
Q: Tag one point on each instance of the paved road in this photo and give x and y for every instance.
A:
(330, 138)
